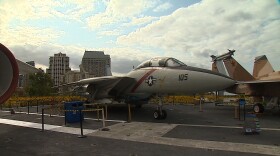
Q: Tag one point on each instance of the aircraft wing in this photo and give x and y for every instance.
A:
(107, 86)
(257, 88)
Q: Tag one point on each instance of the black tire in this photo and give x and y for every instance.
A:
(164, 114)
(258, 108)
(157, 115)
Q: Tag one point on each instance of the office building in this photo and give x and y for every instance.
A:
(58, 66)
(95, 63)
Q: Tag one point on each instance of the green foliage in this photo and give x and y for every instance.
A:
(40, 84)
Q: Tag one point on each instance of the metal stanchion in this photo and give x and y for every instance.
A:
(129, 113)
(43, 104)
(244, 111)
(64, 115)
(42, 130)
(81, 125)
(103, 120)
(18, 106)
(37, 106)
(51, 110)
(104, 124)
(27, 107)
(106, 112)
(239, 111)
(97, 106)
(200, 105)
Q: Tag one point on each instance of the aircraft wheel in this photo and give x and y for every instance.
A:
(258, 108)
(157, 114)
(164, 114)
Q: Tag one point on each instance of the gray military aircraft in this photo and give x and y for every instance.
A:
(158, 76)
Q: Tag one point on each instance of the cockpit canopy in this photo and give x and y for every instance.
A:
(161, 62)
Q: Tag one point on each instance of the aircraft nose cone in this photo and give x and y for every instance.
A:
(224, 82)
(203, 80)
(221, 81)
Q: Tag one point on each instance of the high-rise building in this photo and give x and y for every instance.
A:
(59, 65)
(95, 63)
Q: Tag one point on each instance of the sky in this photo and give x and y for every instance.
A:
(132, 31)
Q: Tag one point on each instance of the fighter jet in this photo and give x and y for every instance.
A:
(155, 77)
(264, 81)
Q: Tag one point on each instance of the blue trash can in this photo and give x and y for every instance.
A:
(72, 113)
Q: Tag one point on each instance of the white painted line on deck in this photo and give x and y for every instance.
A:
(27, 124)
(231, 127)
(94, 119)
(55, 128)
(120, 121)
(211, 126)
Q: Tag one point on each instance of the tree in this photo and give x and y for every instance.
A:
(40, 84)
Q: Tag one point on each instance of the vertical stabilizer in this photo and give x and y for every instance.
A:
(262, 67)
(236, 71)
(218, 66)
(214, 67)
(227, 65)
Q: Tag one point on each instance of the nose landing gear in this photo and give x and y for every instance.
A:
(160, 113)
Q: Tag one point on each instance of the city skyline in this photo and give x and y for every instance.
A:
(133, 31)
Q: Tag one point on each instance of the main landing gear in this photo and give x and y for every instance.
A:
(160, 113)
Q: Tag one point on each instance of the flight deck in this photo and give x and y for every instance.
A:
(186, 131)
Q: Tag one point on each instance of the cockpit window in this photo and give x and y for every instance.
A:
(173, 63)
(158, 62)
(161, 62)
(144, 64)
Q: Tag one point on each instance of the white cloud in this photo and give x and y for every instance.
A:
(26, 10)
(22, 11)
(119, 11)
(110, 33)
(42, 66)
(28, 35)
(140, 21)
(81, 8)
(163, 7)
(190, 34)
(37, 10)
(124, 8)
(101, 19)
(247, 27)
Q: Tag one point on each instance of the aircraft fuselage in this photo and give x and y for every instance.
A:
(183, 80)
